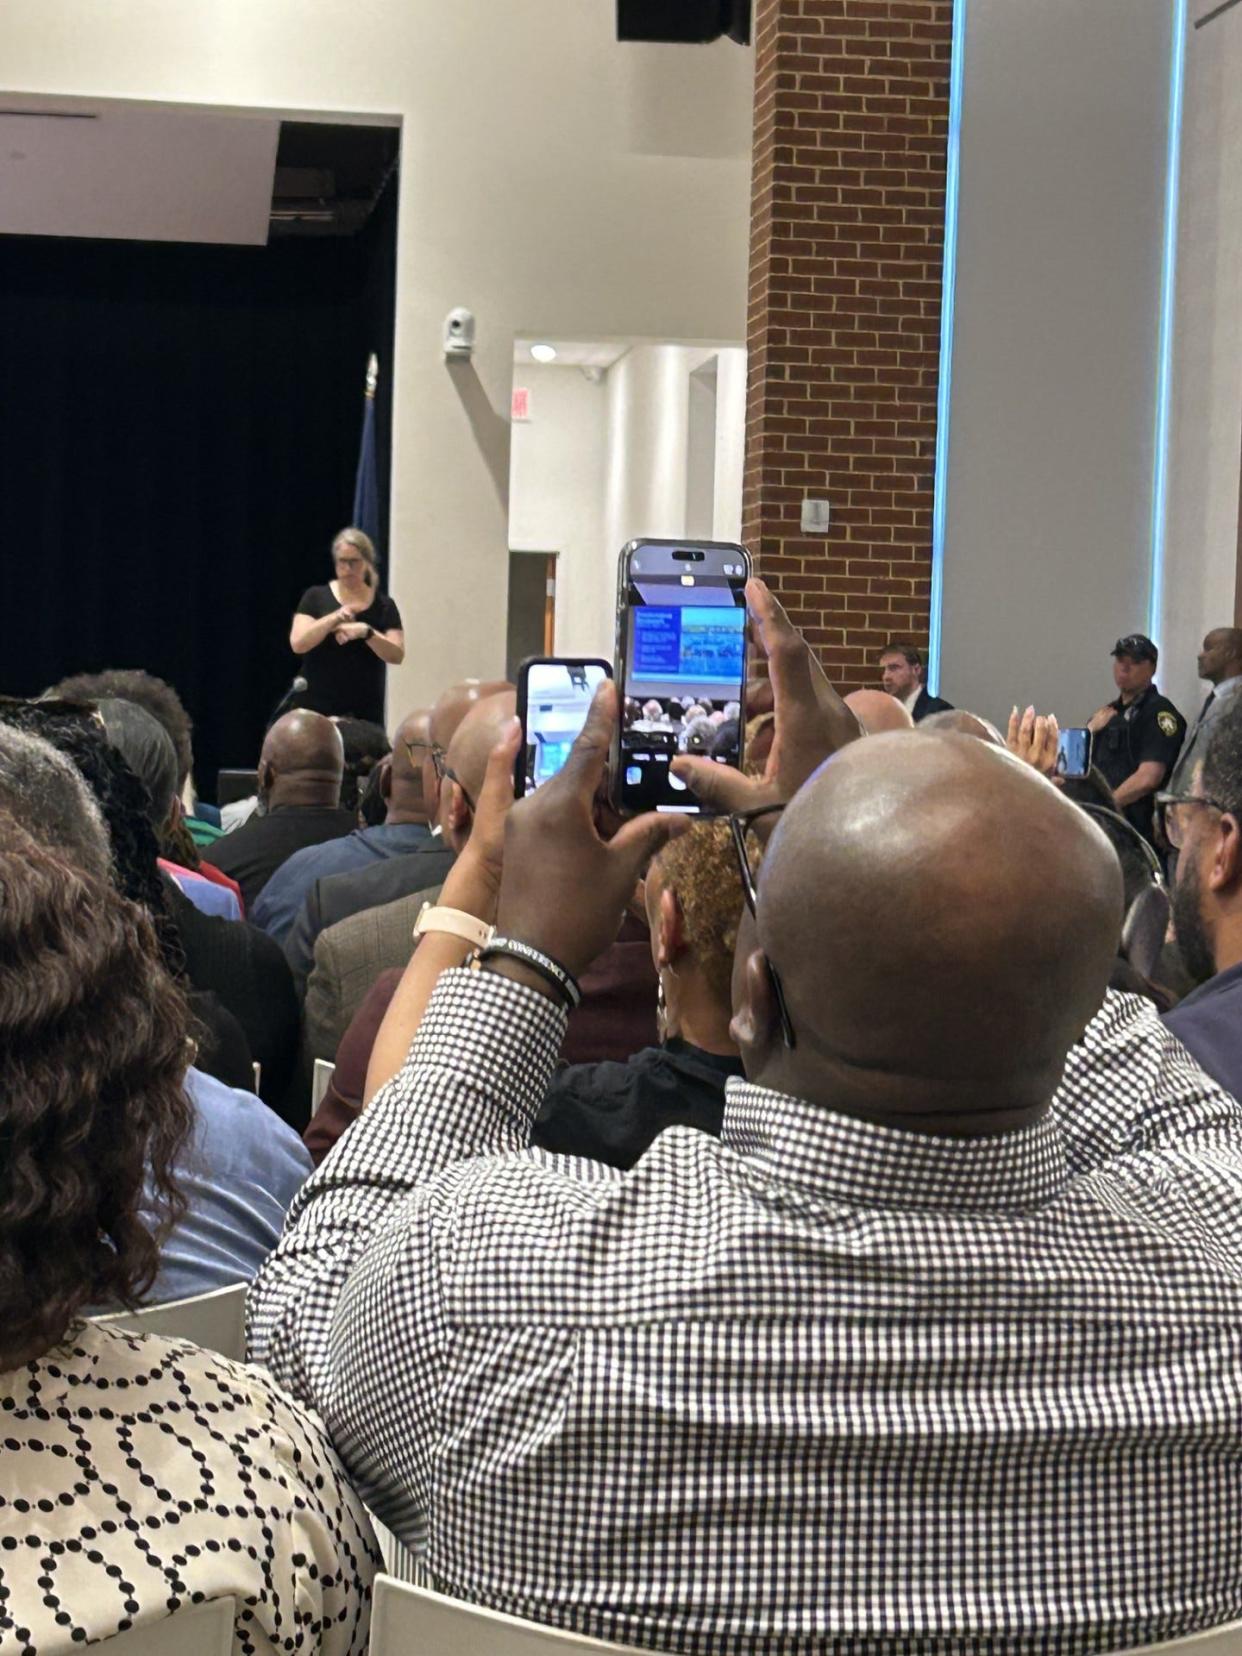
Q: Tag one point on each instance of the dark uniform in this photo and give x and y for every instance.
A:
(1150, 729)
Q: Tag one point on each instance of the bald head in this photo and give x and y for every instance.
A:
(469, 751)
(877, 711)
(1221, 655)
(405, 786)
(943, 923)
(957, 722)
(455, 702)
(302, 762)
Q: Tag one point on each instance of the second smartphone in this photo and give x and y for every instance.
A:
(554, 695)
(681, 665)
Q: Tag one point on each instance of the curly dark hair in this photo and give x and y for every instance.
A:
(78, 734)
(155, 695)
(366, 746)
(93, 1053)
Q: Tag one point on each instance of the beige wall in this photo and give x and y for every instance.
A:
(552, 180)
(1205, 439)
(1048, 542)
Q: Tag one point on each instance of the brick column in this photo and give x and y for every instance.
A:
(843, 328)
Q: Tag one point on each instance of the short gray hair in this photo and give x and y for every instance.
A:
(50, 798)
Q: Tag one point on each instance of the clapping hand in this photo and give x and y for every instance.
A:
(565, 887)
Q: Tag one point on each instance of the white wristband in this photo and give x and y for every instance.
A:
(456, 922)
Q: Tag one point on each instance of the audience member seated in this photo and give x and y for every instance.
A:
(1203, 826)
(353, 926)
(404, 829)
(231, 958)
(76, 733)
(300, 771)
(611, 1109)
(335, 897)
(165, 706)
(366, 747)
(122, 1452)
(903, 1325)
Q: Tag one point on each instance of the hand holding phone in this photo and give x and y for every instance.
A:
(681, 666)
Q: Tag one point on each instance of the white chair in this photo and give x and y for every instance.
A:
(215, 1321)
(414, 1621)
(203, 1630)
(1217, 1641)
(319, 1082)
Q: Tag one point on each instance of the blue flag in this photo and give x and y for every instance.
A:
(366, 486)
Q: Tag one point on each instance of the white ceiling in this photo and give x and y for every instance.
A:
(142, 172)
(573, 353)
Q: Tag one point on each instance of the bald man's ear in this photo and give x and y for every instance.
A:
(756, 1021)
(385, 781)
(266, 776)
(457, 814)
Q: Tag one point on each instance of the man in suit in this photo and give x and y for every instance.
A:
(1220, 663)
(902, 673)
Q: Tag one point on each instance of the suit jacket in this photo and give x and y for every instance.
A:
(1196, 743)
(928, 703)
(338, 896)
(349, 956)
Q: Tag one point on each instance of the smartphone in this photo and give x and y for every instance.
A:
(681, 665)
(1074, 752)
(554, 695)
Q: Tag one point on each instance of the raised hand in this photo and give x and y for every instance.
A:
(812, 722)
(1033, 738)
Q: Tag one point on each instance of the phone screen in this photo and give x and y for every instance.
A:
(1074, 752)
(554, 698)
(684, 650)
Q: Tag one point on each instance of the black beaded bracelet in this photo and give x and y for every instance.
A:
(550, 970)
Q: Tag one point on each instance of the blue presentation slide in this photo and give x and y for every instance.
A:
(694, 643)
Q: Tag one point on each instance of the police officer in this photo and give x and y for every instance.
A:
(1138, 736)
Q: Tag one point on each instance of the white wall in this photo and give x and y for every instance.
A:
(1047, 553)
(598, 465)
(551, 179)
(1205, 442)
(556, 496)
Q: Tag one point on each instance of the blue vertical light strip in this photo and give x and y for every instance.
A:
(947, 293)
(1168, 294)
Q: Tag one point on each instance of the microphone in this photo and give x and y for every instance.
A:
(282, 706)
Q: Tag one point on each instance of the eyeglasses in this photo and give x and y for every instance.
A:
(347, 563)
(1169, 817)
(445, 772)
(739, 826)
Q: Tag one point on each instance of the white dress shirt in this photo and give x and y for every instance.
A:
(819, 1385)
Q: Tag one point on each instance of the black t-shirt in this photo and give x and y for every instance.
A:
(611, 1112)
(1149, 729)
(345, 679)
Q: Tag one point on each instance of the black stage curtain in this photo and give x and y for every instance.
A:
(179, 431)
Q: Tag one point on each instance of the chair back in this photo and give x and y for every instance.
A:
(1217, 1641)
(200, 1630)
(414, 1621)
(215, 1321)
(319, 1081)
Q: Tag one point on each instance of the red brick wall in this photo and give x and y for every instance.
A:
(843, 329)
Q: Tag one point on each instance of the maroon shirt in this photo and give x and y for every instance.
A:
(616, 1020)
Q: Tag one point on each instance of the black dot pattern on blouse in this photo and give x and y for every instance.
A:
(140, 1476)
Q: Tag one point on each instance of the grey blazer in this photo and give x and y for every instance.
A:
(1195, 745)
(349, 956)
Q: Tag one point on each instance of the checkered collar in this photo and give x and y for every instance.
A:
(862, 1163)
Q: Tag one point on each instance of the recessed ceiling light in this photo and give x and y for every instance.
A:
(543, 353)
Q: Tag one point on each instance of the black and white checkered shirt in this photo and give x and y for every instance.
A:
(817, 1386)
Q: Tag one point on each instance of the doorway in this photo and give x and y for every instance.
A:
(532, 608)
